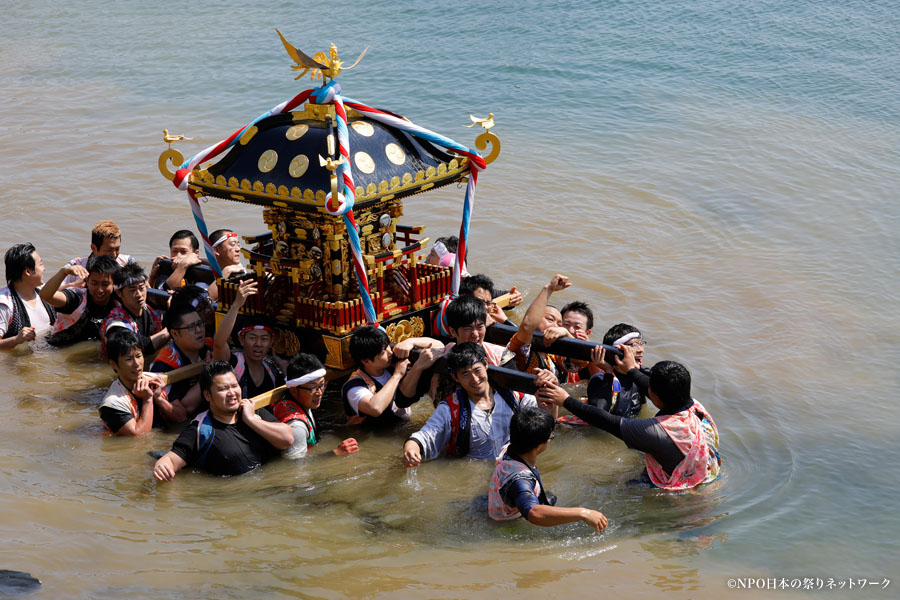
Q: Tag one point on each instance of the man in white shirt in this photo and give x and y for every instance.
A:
(474, 420)
(23, 315)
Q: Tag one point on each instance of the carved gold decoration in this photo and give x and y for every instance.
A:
(164, 158)
(395, 181)
(298, 165)
(371, 188)
(405, 329)
(296, 132)
(321, 65)
(407, 178)
(267, 161)
(483, 140)
(486, 122)
(363, 128)
(248, 135)
(364, 162)
(395, 153)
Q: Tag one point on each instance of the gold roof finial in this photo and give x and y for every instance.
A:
(486, 122)
(322, 65)
(171, 139)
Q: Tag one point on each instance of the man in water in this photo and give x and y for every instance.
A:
(627, 396)
(474, 420)
(23, 314)
(81, 311)
(127, 408)
(680, 444)
(255, 371)
(544, 319)
(482, 287)
(132, 311)
(228, 439)
(228, 251)
(516, 489)
(380, 391)
(305, 388)
(106, 240)
(188, 345)
(184, 251)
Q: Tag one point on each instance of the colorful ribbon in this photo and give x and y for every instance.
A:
(343, 204)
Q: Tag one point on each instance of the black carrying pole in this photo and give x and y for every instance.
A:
(568, 347)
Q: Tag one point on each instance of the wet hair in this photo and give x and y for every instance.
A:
(17, 259)
(104, 230)
(120, 341)
(471, 283)
(465, 310)
(212, 370)
(671, 381)
(215, 235)
(617, 331)
(185, 234)
(582, 309)
(130, 271)
(102, 265)
(186, 294)
(465, 355)
(529, 428)
(301, 365)
(367, 342)
(174, 317)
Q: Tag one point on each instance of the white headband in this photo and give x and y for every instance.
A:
(305, 378)
(440, 249)
(626, 338)
(131, 281)
(224, 237)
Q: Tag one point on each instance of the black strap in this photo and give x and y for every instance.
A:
(542, 497)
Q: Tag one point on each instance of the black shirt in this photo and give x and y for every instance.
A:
(235, 448)
(85, 328)
(646, 435)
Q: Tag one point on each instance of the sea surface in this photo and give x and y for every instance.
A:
(721, 174)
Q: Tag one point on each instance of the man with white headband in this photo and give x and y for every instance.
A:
(228, 251)
(305, 389)
(255, 371)
(132, 311)
(629, 382)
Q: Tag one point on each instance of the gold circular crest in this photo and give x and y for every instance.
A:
(298, 166)
(395, 153)
(363, 128)
(364, 162)
(267, 161)
(296, 132)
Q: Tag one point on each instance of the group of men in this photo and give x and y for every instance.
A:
(104, 296)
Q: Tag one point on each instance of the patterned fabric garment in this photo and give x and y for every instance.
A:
(696, 435)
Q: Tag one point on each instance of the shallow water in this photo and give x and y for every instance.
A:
(721, 174)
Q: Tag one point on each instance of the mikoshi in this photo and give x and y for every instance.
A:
(331, 173)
